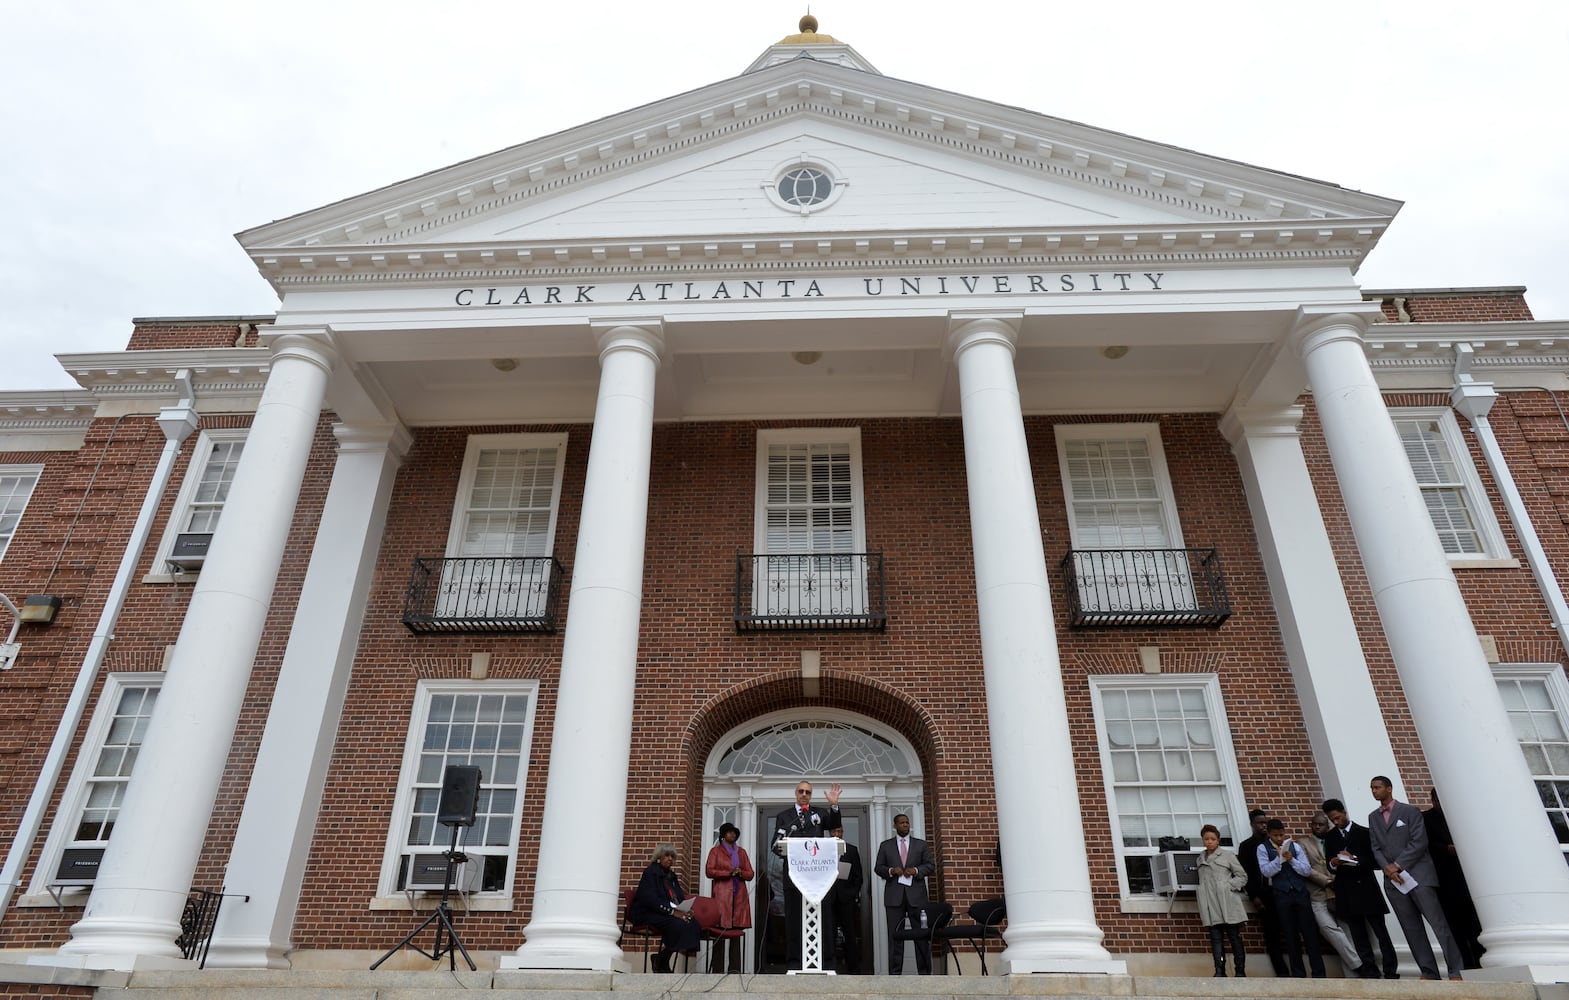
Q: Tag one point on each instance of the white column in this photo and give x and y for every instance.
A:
(1516, 872)
(1339, 707)
(575, 922)
(1051, 915)
(135, 906)
(278, 824)
(1475, 401)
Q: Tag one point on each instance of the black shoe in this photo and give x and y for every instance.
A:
(1391, 975)
(1366, 973)
(1220, 973)
(661, 961)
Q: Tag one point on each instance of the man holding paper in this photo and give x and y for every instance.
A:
(903, 862)
(1399, 837)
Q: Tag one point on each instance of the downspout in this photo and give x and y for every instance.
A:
(1475, 400)
(177, 422)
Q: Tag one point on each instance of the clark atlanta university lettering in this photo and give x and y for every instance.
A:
(978, 285)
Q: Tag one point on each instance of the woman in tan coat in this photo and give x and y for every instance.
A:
(1221, 885)
(730, 869)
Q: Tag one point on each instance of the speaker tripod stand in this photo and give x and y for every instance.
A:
(450, 945)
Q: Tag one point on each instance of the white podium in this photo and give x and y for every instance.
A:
(812, 863)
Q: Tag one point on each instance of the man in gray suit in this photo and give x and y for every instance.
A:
(903, 862)
(1399, 837)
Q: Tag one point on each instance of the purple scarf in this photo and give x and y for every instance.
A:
(735, 853)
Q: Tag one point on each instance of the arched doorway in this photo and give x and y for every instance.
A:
(751, 774)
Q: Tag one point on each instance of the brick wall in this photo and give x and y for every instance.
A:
(698, 678)
(1455, 306)
(184, 334)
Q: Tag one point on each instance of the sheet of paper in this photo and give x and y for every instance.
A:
(1406, 884)
(844, 869)
(906, 880)
(685, 906)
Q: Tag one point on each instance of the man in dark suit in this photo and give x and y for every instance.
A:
(1261, 894)
(1454, 895)
(805, 820)
(1399, 836)
(846, 895)
(1358, 902)
(903, 863)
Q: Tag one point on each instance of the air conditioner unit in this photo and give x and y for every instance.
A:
(428, 873)
(190, 550)
(78, 866)
(1175, 872)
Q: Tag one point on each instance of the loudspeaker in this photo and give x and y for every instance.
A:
(459, 796)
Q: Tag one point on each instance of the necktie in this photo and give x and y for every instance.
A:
(803, 818)
(904, 853)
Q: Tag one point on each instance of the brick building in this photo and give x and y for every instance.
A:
(1058, 488)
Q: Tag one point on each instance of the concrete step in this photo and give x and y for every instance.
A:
(442, 984)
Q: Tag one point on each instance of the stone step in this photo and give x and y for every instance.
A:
(442, 984)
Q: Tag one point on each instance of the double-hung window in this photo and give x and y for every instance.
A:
(810, 523)
(1450, 486)
(1536, 696)
(1128, 551)
(16, 488)
(485, 724)
(200, 503)
(1168, 765)
(500, 546)
(90, 806)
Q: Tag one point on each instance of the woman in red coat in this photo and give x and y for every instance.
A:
(730, 869)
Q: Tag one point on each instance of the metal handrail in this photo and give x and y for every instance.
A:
(1145, 587)
(810, 591)
(483, 594)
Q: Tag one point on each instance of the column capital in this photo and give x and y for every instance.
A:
(367, 438)
(1473, 399)
(645, 335)
(308, 347)
(967, 329)
(1274, 421)
(1317, 325)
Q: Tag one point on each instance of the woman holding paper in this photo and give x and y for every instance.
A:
(657, 904)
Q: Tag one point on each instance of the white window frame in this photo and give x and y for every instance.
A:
(478, 443)
(1478, 504)
(795, 576)
(809, 436)
(1120, 432)
(388, 895)
(1557, 692)
(37, 472)
(1230, 776)
(62, 833)
(463, 595)
(159, 571)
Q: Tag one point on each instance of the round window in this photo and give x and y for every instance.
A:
(805, 186)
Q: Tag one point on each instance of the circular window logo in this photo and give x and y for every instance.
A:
(804, 187)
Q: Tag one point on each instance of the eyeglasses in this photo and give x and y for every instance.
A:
(803, 791)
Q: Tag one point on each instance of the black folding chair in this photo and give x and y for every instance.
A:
(910, 929)
(631, 930)
(988, 915)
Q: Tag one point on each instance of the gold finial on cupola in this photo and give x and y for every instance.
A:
(808, 34)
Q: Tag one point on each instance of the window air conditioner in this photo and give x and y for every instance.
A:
(190, 550)
(428, 873)
(78, 866)
(1175, 872)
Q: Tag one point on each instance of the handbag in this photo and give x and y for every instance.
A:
(1173, 844)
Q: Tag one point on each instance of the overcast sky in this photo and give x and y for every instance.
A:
(138, 137)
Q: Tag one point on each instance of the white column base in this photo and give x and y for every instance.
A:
(253, 953)
(1519, 974)
(120, 962)
(1064, 967)
(568, 944)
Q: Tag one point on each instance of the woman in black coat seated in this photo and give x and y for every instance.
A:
(654, 905)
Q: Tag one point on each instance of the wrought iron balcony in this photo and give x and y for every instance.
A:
(1171, 588)
(483, 594)
(837, 591)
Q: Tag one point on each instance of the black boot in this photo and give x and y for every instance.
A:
(661, 961)
(1220, 971)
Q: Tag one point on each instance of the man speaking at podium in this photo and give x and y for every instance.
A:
(803, 820)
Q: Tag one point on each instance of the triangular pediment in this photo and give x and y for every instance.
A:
(910, 162)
